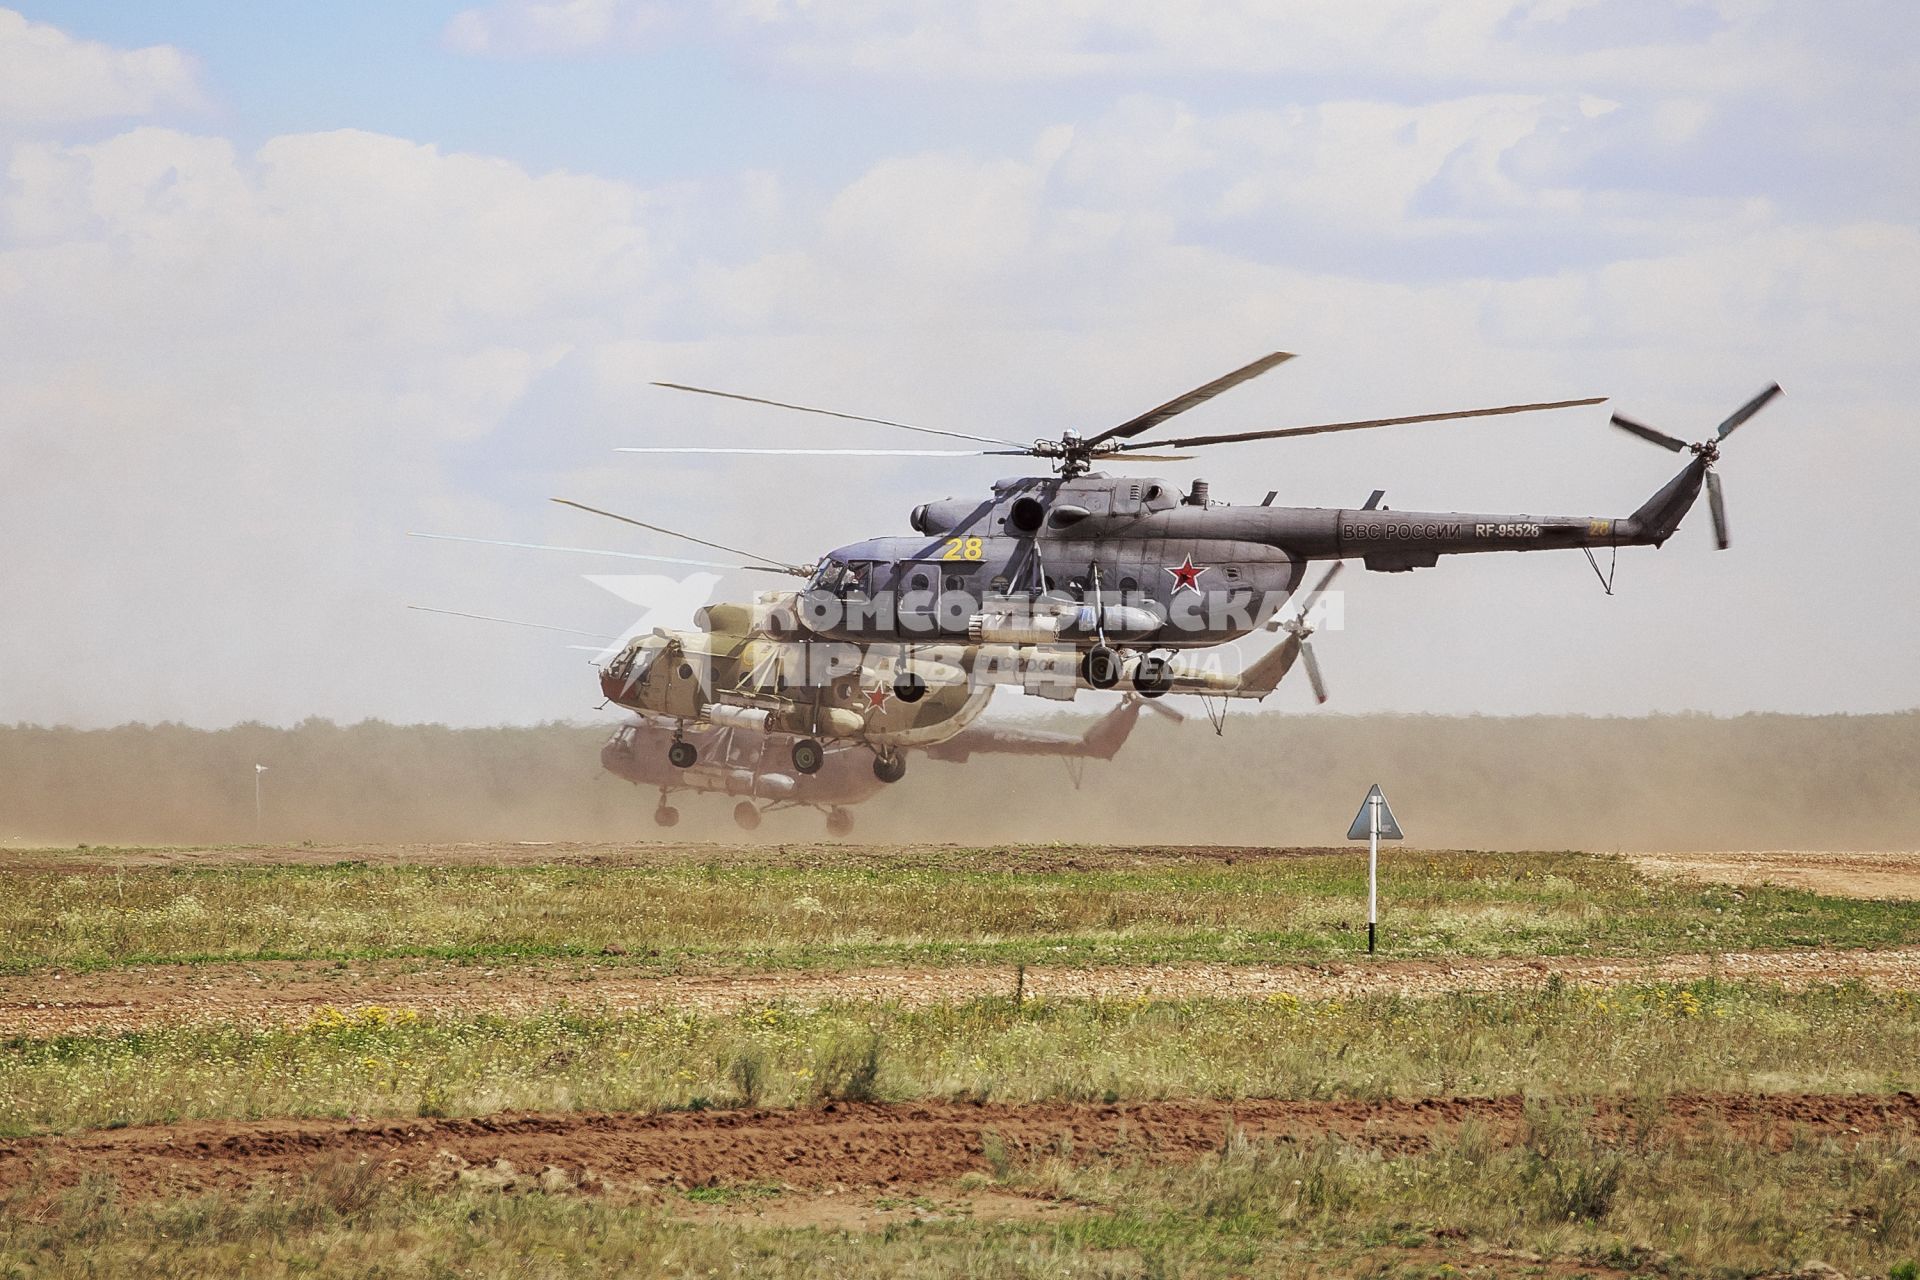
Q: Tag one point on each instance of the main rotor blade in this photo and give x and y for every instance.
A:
(830, 413)
(1646, 432)
(597, 551)
(1198, 396)
(1717, 502)
(1194, 442)
(835, 453)
(794, 569)
(514, 622)
(1747, 410)
(1313, 672)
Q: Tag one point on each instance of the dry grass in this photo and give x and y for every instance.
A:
(1704, 1035)
(1560, 1203)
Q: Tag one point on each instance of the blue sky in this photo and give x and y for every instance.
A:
(280, 283)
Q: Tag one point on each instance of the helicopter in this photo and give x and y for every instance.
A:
(732, 665)
(736, 759)
(1126, 572)
(754, 667)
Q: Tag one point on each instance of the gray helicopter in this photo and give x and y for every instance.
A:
(1123, 572)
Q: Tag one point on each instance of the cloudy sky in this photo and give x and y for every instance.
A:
(280, 283)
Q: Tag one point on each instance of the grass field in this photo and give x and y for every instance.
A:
(378, 1062)
(776, 917)
(1549, 1191)
(1557, 1204)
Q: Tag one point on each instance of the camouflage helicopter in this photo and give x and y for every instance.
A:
(734, 664)
(1126, 572)
(747, 763)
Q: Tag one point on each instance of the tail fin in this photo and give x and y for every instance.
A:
(1661, 514)
(1266, 672)
(1110, 732)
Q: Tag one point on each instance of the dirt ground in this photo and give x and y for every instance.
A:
(292, 992)
(1843, 875)
(840, 1146)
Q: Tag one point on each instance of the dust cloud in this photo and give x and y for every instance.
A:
(1684, 782)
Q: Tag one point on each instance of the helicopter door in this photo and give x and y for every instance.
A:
(916, 596)
(962, 590)
(935, 596)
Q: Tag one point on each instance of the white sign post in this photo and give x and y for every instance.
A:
(1374, 823)
(257, 771)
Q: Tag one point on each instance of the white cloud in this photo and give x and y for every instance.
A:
(235, 381)
(1540, 43)
(509, 28)
(1705, 46)
(48, 77)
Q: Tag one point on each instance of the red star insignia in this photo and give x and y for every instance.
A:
(1186, 576)
(877, 697)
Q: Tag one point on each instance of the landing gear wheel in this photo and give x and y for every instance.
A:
(909, 687)
(1152, 676)
(808, 756)
(1101, 667)
(683, 755)
(746, 816)
(890, 768)
(839, 823)
(667, 816)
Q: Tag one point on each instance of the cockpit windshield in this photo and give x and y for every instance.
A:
(637, 659)
(842, 578)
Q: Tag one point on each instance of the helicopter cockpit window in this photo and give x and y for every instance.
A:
(633, 664)
(843, 579)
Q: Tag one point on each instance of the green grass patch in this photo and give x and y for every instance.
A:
(376, 1062)
(774, 917)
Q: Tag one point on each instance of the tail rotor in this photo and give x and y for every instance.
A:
(1299, 628)
(1708, 451)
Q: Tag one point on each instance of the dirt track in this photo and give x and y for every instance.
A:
(291, 992)
(919, 1144)
(1842, 875)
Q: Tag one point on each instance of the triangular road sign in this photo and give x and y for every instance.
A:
(1363, 823)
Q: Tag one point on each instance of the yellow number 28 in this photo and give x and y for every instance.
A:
(964, 549)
